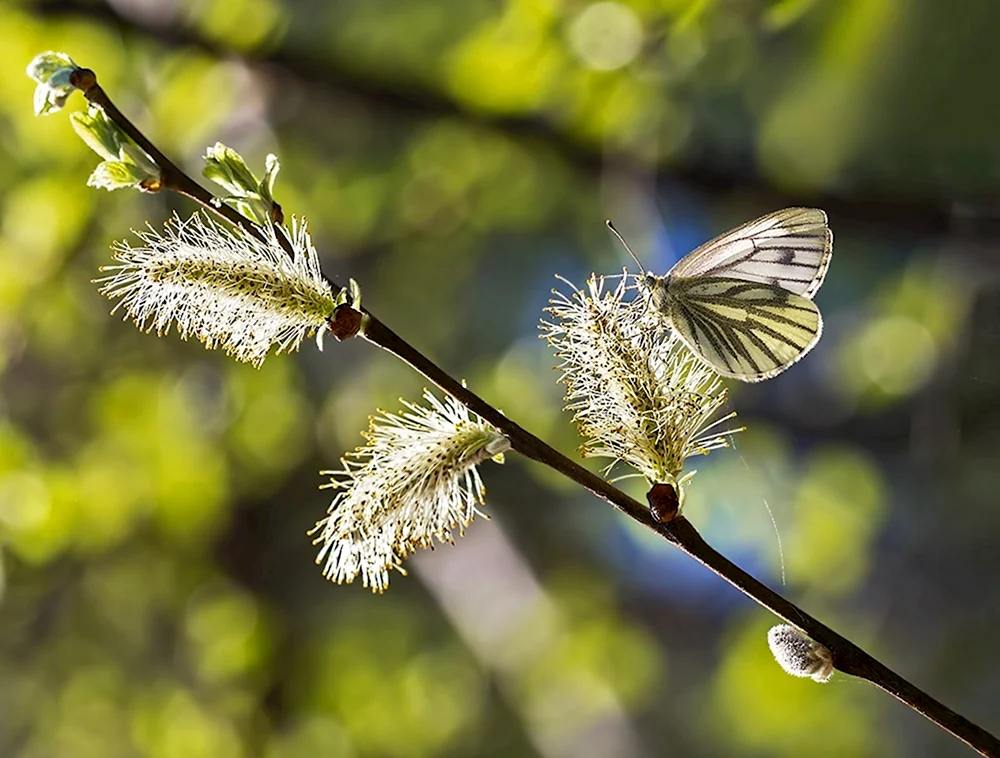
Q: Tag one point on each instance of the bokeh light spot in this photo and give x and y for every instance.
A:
(24, 500)
(606, 36)
(897, 354)
(225, 632)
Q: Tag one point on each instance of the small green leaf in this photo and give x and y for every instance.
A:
(125, 163)
(132, 153)
(250, 197)
(214, 172)
(271, 168)
(52, 71)
(248, 207)
(355, 290)
(112, 175)
(45, 65)
(99, 132)
(227, 168)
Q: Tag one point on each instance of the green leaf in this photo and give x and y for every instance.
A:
(52, 71)
(99, 132)
(46, 65)
(227, 168)
(251, 208)
(132, 153)
(271, 168)
(112, 175)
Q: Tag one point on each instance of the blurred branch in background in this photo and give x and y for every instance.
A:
(958, 217)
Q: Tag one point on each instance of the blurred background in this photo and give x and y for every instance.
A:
(158, 595)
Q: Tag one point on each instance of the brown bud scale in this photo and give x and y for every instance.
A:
(345, 323)
(664, 502)
(83, 79)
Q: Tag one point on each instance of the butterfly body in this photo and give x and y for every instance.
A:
(743, 301)
(656, 289)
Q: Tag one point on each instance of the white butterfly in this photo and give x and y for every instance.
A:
(743, 301)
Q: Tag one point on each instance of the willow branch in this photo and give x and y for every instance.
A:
(171, 176)
(847, 657)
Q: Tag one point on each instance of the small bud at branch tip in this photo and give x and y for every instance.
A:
(83, 79)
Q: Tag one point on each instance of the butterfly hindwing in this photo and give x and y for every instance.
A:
(790, 248)
(746, 330)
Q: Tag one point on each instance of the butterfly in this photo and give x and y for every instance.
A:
(743, 301)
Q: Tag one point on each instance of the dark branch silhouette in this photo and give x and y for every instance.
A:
(968, 217)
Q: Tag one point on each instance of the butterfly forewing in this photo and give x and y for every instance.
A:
(790, 248)
(750, 331)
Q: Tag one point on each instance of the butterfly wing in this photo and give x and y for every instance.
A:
(749, 331)
(790, 248)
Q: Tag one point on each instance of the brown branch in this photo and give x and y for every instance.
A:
(171, 177)
(847, 657)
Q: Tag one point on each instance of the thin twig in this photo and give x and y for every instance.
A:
(847, 657)
(171, 177)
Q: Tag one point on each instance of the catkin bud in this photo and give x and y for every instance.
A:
(799, 655)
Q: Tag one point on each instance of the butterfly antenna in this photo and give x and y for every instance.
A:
(624, 244)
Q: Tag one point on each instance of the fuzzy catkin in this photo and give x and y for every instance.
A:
(414, 482)
(798, 654)
(223, 286)
(638, 396)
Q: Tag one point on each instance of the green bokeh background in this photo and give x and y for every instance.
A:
(158, 595)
